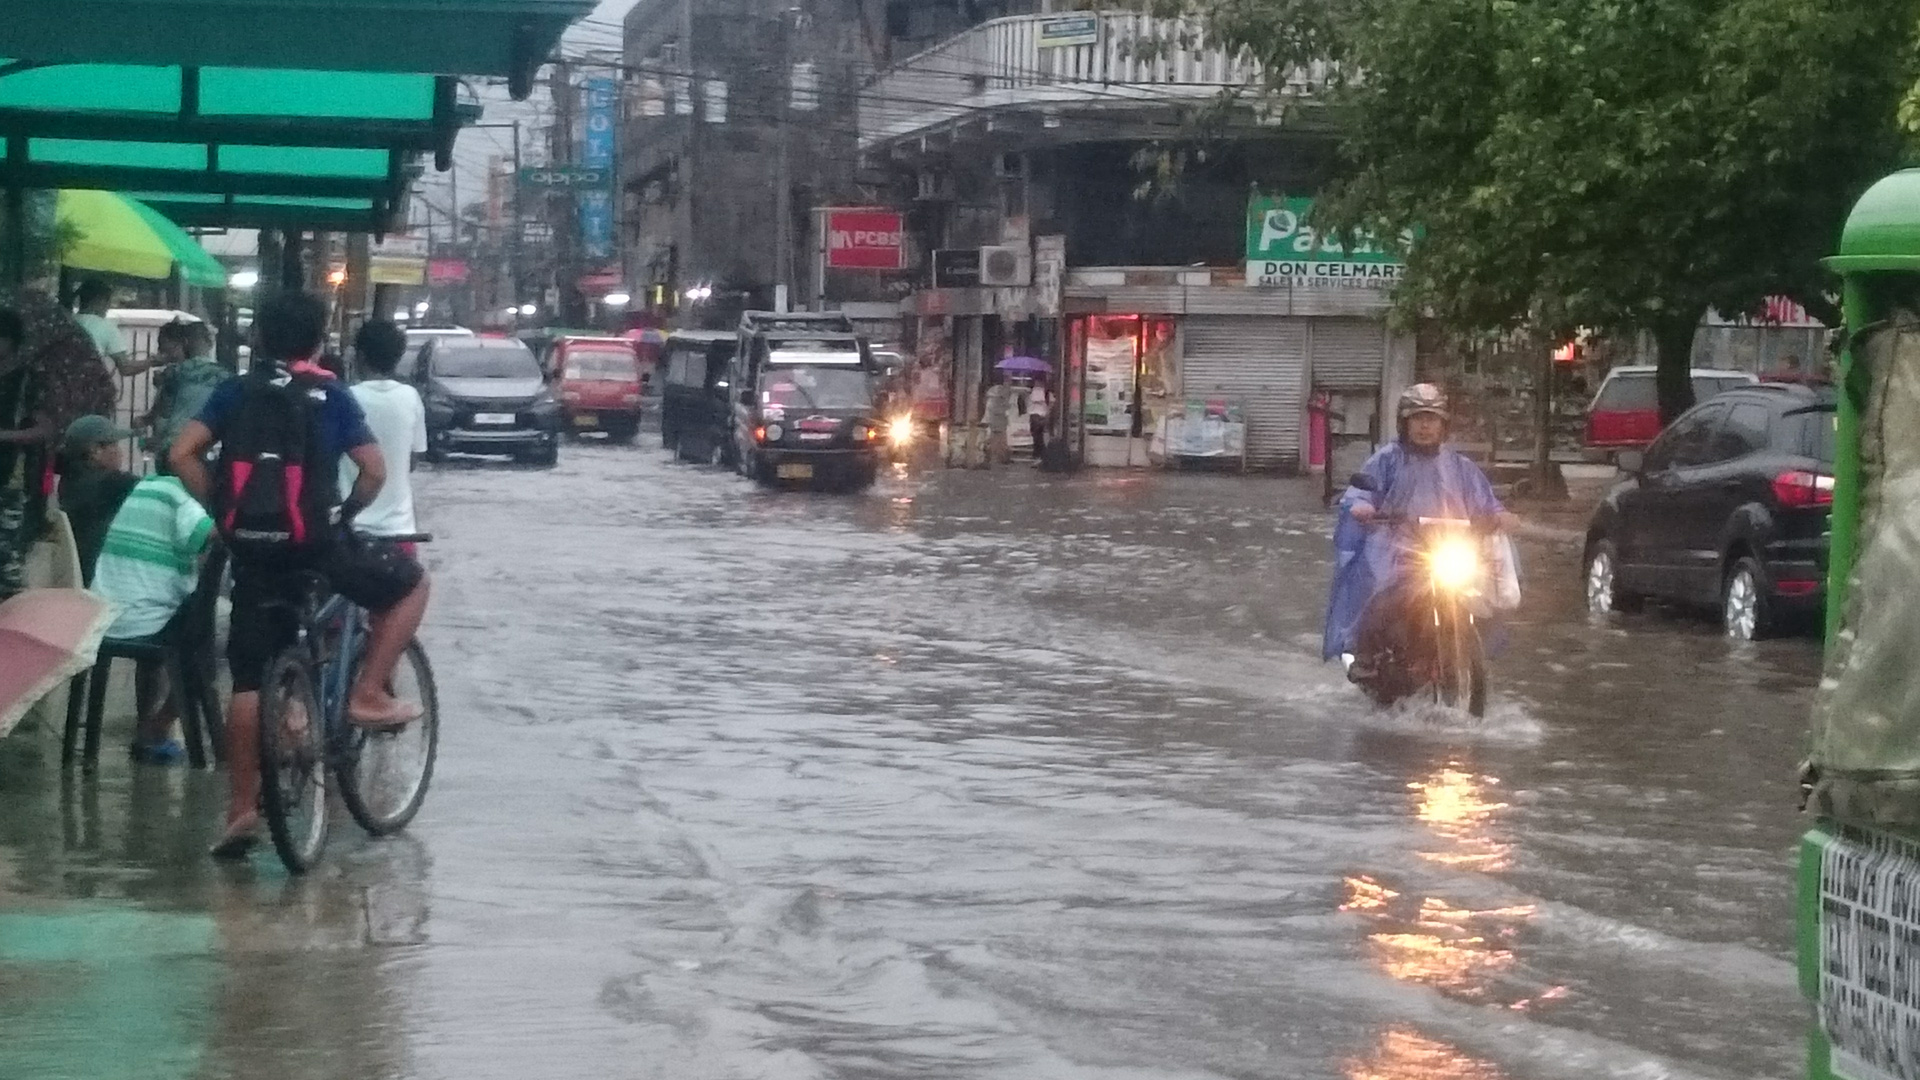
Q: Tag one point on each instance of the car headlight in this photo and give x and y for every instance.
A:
(774, 432)
(1455, 563)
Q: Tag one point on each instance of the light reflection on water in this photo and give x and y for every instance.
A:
(1406, 1055)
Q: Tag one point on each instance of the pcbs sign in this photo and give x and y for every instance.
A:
(1282, 250)
(859, 239)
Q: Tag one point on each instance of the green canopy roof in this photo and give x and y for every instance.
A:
(1883, 232)
(214, 109)
(509, 38)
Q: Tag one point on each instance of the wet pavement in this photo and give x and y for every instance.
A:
(971, 776)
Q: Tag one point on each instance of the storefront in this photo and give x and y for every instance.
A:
(1284, 363)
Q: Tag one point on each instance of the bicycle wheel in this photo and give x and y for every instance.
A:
(386, 774)
(293, 761)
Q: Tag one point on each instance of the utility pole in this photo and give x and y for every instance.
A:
(566, 230)
(514, 241)
(782, 184)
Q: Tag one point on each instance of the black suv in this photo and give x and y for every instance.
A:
(487, 395)
(1727, 508)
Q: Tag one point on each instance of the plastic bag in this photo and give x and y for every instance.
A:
(1505, 572)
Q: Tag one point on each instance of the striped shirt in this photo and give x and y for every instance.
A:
(149, 564)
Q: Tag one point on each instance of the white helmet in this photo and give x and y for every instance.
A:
(1423, 398)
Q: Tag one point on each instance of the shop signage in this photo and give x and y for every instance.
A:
(595, 206)
(1283, 250)
(447, 272)
(956, 268)
(566, 176)
(863, 239)
(1067, 31)
(382, 270)
(1049, 273)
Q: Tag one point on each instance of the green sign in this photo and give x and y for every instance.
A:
(1283, 250)
(566, 176)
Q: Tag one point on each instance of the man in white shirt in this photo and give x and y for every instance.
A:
(398, 421)
(93, 299)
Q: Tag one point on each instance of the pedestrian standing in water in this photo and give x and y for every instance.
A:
(1039, 408)
(999, 404)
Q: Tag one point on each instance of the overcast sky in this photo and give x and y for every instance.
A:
(476, 147)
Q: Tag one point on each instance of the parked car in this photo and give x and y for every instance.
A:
(1728, 507)
(417, 337)
(600, 386)
(1625, 414)
(696, 409)
(486, 395)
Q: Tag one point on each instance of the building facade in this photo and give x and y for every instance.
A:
(1066, 203)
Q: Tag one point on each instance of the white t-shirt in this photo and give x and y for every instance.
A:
(106, 337)
(399, 424)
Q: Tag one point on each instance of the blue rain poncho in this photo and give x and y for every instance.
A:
(1365, 560)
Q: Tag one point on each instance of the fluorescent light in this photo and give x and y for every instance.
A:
(617, 299)
(243, 279)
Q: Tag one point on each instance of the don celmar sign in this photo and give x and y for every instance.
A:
(1283, 250)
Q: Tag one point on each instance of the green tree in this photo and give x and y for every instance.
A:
(1620, 165)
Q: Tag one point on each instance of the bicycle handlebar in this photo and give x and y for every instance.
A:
(397, 538)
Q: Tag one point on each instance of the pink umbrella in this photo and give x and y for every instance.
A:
(47, 636)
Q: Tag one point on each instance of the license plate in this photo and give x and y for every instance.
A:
(493, 418)
(586, 420)
(794, 472)
(815, 436)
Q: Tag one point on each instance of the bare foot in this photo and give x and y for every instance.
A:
(242, 834)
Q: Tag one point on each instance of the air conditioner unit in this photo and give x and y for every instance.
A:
(1001, 267)
(934, 186)
(1010, 166)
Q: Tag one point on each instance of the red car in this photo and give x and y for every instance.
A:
(1625, 414)
(600, 385)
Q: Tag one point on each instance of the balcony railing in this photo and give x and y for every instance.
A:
(1004, 64)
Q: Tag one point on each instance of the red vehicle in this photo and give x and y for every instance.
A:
(1625, 414)
(600, 385)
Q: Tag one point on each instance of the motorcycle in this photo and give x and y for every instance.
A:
(1421, 635)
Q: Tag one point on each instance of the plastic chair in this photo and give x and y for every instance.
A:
(189, 688)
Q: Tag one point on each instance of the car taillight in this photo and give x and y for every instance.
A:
(760, 434)
(1799, 489)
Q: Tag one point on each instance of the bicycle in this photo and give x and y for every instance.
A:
(297, 754)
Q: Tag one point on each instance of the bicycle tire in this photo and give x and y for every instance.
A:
(380, 820)
(293, 770)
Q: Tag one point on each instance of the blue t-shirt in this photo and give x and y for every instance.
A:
(343, 426)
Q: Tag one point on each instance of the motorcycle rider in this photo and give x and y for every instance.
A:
(1415, 476)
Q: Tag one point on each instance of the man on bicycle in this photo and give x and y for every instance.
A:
(268, 588)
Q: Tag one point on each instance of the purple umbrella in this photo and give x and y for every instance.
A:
(1030, 365)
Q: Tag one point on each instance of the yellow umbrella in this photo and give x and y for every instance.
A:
(118, 235)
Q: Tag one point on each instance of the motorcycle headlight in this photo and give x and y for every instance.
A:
(1455, 563)
(900, 430)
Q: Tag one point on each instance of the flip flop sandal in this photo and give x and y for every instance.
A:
(236, 845)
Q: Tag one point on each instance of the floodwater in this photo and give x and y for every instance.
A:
(975, 775)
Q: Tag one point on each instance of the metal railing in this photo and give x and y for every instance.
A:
(1133, 59)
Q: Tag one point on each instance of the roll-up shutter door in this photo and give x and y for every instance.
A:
(1260, 363)
(1348, 354)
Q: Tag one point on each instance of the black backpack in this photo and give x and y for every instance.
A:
(273, 489)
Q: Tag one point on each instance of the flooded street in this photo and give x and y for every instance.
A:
(976, 775)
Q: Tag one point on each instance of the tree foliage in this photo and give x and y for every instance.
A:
(1619, 165)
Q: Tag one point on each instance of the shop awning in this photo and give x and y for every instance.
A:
(508, 38)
